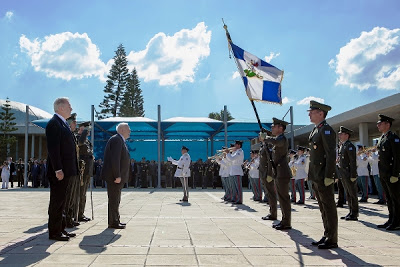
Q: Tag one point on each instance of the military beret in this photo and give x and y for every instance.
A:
(302, 148)
(345, 130)
(320, 106)
(187, 149)
(383, 118)
(72, 118)
(276, 121)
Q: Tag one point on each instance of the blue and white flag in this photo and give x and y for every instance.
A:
(261, 80)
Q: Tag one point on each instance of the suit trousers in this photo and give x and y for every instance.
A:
(351, 195)
(326, 201)
(282, 187)
(58, 194)
(114, 199)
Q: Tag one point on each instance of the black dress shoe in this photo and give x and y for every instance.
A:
(327, 245)
(269, 217)
(238, 202)
(385, 225)
(345, 217)
(276, 224)
(363, 200)
(60, 237)
(117, 226)
(72, 224)
(83, 219)
(393, 228)
(351, 218)
(122, 223)
(321, 241)
(68, 234)
(283, 227)
(300, 202)
(339, 205)
(381, 202)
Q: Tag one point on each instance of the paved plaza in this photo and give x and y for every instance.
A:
(161, 231)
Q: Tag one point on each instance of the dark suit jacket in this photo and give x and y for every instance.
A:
(116, 160)
(322, 142)
(61, 147)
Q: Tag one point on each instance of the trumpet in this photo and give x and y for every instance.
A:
(230, 149)
(294, 170)
(367, 150)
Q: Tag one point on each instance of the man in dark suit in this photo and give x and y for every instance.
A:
(322, 141)
(62, 166)
(389, 170)
(35, 174)
(282, 172)
(116, 172)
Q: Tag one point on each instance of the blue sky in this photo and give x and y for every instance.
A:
(345, 53)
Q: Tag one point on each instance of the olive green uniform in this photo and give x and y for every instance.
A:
(265, 170)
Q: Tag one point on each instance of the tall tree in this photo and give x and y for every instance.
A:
(220, 116)
(6, 127)
(116, 85)
(132, 105)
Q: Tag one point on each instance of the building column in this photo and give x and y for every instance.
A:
(16, 150)
(40, 147)
(363, 134)
(33, 146)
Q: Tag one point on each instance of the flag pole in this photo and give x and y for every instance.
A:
(228, 36)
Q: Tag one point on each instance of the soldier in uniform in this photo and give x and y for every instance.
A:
(282, 173)
(183, 171)
(144, 167)
(347, 168)
(322, 143)
(72, 194)
(85, 154)
(236, 172)
(389, 171)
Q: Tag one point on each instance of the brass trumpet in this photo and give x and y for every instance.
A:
(294, 170)
(230, 149)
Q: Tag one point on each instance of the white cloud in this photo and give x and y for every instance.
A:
(371, 60)
(271, 56)
(306, 100)
(286, 100)
(9, 15)
(235, 75)
(64, 55)
(171, 60)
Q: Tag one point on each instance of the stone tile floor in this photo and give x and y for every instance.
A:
(161, 231)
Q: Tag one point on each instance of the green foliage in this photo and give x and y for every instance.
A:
(132, 104)
(6, 127)
(220, 116)
(115, 85)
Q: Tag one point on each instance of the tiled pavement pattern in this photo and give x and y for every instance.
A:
(161, 231)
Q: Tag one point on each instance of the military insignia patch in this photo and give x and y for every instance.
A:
(350, 148)
(328, 132)
(396, 140)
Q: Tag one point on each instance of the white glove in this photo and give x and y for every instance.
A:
(169, 159)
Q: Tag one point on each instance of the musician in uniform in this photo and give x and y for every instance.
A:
(85, 154)
(183, 171)
(322, 141)
(282, 173)
(224, 173)
(292, 159)
(254, 176)
(389, 170)
(300, 175)
(347, 168)
(236, 172)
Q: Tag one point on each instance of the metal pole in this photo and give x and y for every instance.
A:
(212, 145)
(291, 128)
(159, 145)
(91, 171)
(226, 125)
(26, 146)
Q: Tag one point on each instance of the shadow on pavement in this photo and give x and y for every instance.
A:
(93, 244)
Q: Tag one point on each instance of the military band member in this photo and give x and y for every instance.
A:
(183, 171)
(363, 173)
(389, 170)
(236, 172)
(282, 173)
(292, 186)
(85, 154)
(348, 172)
(322, 143)
(224, 172)
(300, 167)
(254, 176)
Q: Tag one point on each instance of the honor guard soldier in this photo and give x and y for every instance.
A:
(281, 173)
(183, 171)
(389, 170)
(85, 154)
(322, 141)
(72, 194)
(347, 168)
(236, 172)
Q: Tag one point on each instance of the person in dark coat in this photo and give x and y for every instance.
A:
(115, 172)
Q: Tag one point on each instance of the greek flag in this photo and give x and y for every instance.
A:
(261, 80)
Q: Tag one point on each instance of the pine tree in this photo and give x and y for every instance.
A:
(220, 116)
(116, 85)
(132, 105)
(6, 127)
